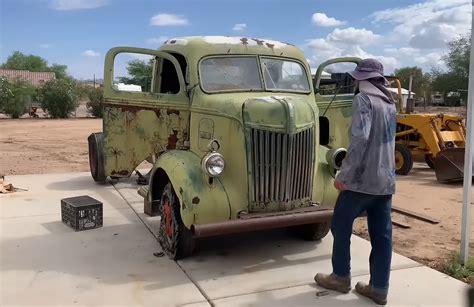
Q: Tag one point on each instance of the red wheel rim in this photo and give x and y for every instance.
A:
(168, 219)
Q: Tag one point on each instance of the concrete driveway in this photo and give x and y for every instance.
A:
(44, 262)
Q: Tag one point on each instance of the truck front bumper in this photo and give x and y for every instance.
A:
(262, 221)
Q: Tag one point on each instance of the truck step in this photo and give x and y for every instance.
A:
(143, 191)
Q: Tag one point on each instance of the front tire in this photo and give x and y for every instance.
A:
(311, 232)
(403, 159)
(175, 239)
(96, 157)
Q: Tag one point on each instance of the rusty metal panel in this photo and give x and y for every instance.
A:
(133, 133)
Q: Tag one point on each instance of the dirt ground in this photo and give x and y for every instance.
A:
(38, 146)
(30, 146)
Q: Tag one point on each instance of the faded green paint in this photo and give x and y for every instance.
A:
(174, 130)
(200, 201)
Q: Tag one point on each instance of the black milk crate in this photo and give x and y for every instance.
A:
(81, 212)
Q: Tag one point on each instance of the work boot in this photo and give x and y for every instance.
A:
(378, 296)
(333, 282)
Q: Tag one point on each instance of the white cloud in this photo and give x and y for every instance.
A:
(45, 46)
(351, 36)
(349, 42)
(162, 20)
(432, 59)
(90, 53)
(70, 5)
(240, 27)
(139, 56)
(427, 25)
(157, 41)
(322, 20)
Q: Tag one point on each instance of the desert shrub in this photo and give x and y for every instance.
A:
(95, 104)
(59, 97)
(15, 97)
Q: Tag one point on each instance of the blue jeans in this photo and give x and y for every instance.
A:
(349, 206)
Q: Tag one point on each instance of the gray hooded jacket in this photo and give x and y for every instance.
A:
(369, 166)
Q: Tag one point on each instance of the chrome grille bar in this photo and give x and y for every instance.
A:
(282, 165)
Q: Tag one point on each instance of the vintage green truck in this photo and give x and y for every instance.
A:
(239, 137)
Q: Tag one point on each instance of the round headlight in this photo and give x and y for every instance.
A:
(335, 156)
(213, 164)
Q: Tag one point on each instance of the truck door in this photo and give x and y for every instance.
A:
(146, 108)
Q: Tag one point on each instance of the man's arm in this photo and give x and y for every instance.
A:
(360, 132)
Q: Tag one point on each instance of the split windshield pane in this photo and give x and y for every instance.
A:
(230, 74)
(284, 75)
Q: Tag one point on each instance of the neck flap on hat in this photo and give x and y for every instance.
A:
(375, 88)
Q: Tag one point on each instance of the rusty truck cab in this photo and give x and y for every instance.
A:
(231, 126)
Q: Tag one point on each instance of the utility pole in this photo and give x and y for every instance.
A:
(410, 101)
(409, 86)
(468, 157)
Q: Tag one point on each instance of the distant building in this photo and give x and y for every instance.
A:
(98, 83)
(127, 87)
(404, 93)
(35, 78)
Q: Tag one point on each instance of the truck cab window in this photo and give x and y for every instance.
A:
(168, 78)
(133, 72)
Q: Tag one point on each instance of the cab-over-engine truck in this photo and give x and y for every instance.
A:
(233, 128)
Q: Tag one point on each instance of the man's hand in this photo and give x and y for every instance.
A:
(340, 186)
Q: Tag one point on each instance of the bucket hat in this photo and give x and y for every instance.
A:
(368, 69)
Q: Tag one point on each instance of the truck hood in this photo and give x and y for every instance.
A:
(287, 114)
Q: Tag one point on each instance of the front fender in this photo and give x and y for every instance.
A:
(324, 183)
(201, 202)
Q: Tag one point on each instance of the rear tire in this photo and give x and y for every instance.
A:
(311, 232)
(403, 159)
(175, 239)
(96, 157)
(429, 160)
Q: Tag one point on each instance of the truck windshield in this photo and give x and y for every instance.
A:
(230, 74)
(233, 73)
(284, 75)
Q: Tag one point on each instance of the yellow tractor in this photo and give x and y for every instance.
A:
(439, 138)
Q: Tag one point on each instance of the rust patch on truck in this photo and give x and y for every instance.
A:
(171, 111)
(258, 41)
(121, 173)
(172, 140)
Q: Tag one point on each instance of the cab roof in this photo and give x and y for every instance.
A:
(196, 47)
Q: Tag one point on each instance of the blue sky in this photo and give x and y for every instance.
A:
(79, 32)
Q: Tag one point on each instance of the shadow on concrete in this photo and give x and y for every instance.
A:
(309, 298)
(118, 254)
(57, 227)
(81, 182)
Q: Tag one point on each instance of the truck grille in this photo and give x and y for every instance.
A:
(281, 166)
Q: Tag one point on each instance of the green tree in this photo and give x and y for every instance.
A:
(457, 58)
(5, 91)
(15, 97)
(141, 74)
(457, 62)
(18, 60)
(59, 70)
(95, 104)
(421, 81)
(59, 97)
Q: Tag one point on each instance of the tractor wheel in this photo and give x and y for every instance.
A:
(175, 239)
(311, 232)
(96, 157)
(403, 159)
(429, 160)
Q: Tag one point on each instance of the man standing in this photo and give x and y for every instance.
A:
(366, 183)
